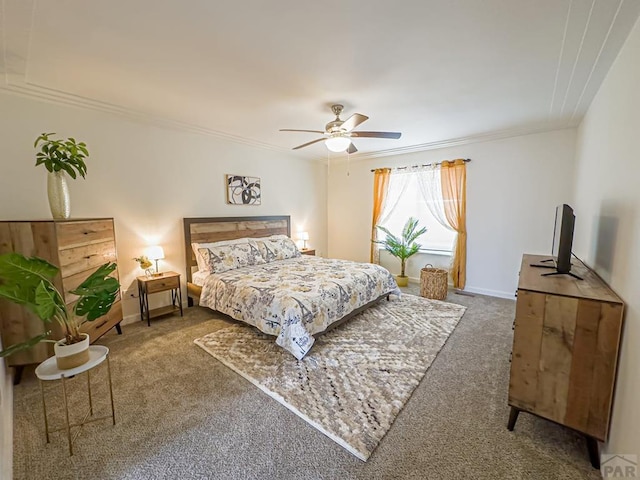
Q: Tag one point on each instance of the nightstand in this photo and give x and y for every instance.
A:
(308, 251)
(167, 281)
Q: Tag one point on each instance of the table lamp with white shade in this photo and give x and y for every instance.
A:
(156, 253)
(304, 236)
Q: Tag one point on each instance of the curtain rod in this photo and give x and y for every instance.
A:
(465, 160)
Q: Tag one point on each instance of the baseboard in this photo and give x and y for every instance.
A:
(479, 291)
(135, 317)
(129, 319)
(491, 293)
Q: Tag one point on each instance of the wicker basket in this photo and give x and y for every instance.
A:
(433, 282)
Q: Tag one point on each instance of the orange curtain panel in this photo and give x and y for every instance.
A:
(454, 194)
(380, 188)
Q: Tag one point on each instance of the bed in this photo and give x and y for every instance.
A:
(288, 295)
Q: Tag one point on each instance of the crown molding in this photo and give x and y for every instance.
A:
(61, 98)
(455, 142)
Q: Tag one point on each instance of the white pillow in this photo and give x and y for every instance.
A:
(229, 257)
(277, 247)
(203, 264)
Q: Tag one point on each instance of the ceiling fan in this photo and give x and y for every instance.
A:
(338, 133)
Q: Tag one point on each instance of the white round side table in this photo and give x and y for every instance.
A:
(48, 370)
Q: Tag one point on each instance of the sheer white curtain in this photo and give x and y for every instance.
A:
(397, 184)
(430, 183)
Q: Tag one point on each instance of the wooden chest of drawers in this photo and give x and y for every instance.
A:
(565, 349)
(77, 247)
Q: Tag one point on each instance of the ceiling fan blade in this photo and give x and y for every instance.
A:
(352, 148)
(353, 121)
(377, 134)
(309, 143)
(294, 130)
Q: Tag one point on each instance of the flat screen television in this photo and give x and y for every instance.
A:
(563, 238)
(562, 242)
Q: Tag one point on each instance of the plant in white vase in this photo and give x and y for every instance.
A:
(60, 158)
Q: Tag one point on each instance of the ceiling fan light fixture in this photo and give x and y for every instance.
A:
(338, 143)
(339, 132)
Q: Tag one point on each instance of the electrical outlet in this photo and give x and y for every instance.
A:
(129, 293)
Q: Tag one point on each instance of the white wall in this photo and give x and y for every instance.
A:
(513, 186)
(148, 178)
(608, 206)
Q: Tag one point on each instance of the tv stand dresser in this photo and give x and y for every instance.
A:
(566, 336)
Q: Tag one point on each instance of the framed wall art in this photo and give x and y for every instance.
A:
(242, 190)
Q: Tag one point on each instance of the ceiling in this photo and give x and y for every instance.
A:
(441, 72)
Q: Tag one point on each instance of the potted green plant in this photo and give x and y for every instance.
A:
(404, 246)
(60, 157)
(29, 282)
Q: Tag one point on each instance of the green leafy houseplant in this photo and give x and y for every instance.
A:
(29, 282)
(404, 246)
(67, 155)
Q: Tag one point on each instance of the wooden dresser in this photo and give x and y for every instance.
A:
(77, 247)
(565, 350)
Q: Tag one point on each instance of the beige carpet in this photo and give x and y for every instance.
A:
(356, 379)
(180, 414)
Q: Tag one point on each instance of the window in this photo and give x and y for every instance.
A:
(412, 204)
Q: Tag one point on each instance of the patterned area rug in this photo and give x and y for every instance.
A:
(357, 377)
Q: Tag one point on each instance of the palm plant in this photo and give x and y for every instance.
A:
(29, 282)
(404, 246)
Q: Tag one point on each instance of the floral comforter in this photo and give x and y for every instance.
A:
(296, 298)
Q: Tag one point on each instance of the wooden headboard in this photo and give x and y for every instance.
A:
(216, 229)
